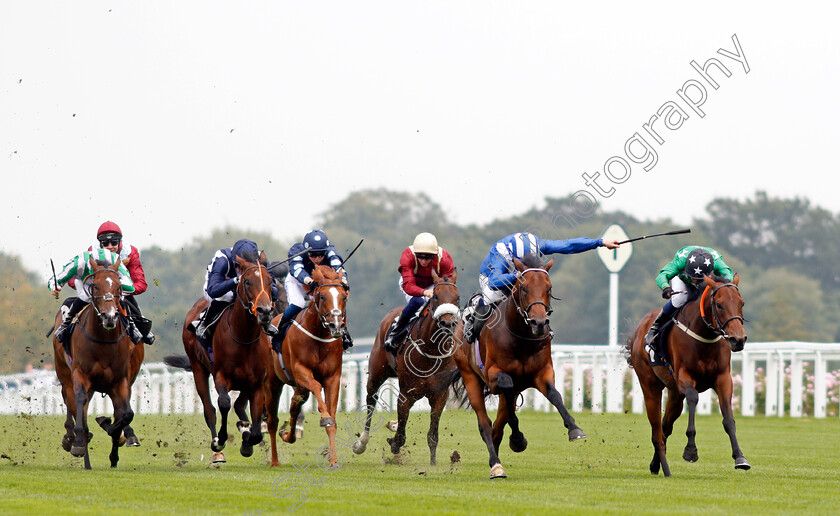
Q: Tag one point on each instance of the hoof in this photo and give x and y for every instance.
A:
(392, 425)
(67, 442)
(103, 422)
(327, 422)
(741, 463)
(246, 450)
(497, 471)
(216, 446)
(359, 447)
(121, 441)
(690, 455)
(132, 441)
(78, 451)
(518, 444)
(576, 434)
(288, 437)
(395, 447)
(298, 432)
(218, 458)
(243, 426)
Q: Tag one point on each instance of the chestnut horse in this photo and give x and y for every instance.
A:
(241, 352)
(513, 353)
(706, 332)
(311, 359)
(424, 365)
(104, 360)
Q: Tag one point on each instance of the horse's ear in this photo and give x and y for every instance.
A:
(263, 258)
(547, 266)
(242, 263)
(454, 275)
(709, 281)
(736, 279)
(116, 265)
(519, 265)
(435, 277)
(93, 265)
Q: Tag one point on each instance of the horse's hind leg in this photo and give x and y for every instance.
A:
(518, 443)
(202, 387)
(123, 415)
(298, 399)
(271, 391)
(79, 447)
(673, 409)
(653, 408)
(475, 392)
(544, 382)
(724, 392)
(437, 402)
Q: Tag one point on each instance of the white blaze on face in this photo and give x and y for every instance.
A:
(110, 282)
(334, 294)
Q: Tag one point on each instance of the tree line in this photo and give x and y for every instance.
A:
(782, 248)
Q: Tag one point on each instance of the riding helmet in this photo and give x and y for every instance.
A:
(425, 243)
(108, 227)
(316, 240)
(699, 263)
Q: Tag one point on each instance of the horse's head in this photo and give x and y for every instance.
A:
(254, 289)
(330, 298)
(723, 311)
(105, 292)
(532, 292)
(445, 303)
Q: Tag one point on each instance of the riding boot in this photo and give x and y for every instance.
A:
(652, 334)
(61, 333)
(395, 333)
(132, 331)
(203, 331)
(283, 326)
(475, 322)
(346, 339)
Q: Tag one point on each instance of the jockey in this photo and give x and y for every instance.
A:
(109, 236)
(416, 265)
(79, 269)
(497, 274)
(315, 249)
(681, 279)
(220, 284)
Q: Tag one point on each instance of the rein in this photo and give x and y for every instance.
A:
(524, 311)
(251, 306)
(721, 327)
(106, 297)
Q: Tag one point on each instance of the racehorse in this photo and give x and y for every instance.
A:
(424, 365)
(706, 332)
(513, 353)
(104, 359)
(241, 352)
(311, 359)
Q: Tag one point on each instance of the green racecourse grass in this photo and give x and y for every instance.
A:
(795, 470)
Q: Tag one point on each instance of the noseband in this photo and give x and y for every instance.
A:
(335, 312)
(716, 326)
(517, 300)
(108, 296)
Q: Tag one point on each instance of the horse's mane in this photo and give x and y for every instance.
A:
(532, 261)
(327, 272)
(250, 256)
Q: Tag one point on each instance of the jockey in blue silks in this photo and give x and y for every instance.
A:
(220, 284)
(497, 274)
(315, 249)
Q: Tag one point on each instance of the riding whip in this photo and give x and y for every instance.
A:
(353, 251)
(290, 258)
(677, 232)
(55, 278)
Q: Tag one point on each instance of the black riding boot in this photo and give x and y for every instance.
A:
(143, 324)
(346, 339)
(395, 334)
(652, 334)
(61, 333)
(475, 322)
(282, 327)
(204, 330)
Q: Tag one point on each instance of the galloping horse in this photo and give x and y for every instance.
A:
(104, 360)
(513, 353)
(241, 352)
(706, 332)
(424, 365)
(311, 359)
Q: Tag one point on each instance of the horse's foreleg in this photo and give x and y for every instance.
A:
(298, 399)
(500, 422)
(202, 387)
(252, 434)
(652, 390)
(437, 402)
(404, 405)
(272, 390)
(723, 388)
(80, 389)
(331, 387)
(224, 409)
(544, 381)
(241, 413)
(518, 443)
(475, 392)
(376, 377)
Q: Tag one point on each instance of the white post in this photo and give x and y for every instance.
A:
(820, 387)
(747, 384)
(795, 385)
(613, 342)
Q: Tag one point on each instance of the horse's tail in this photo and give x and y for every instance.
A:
(179, 361)
(456, 382)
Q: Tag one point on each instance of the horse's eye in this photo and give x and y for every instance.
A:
(524, 290)
(435, 297)
(719, 306)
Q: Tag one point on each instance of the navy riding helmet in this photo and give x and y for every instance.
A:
(316, 240)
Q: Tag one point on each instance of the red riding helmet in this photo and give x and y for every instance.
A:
(108, 227)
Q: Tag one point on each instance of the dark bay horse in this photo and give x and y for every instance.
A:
(424, 364)
(513, 354)
(104, 360)
(312, 359)
(241, 354)
(707, 330)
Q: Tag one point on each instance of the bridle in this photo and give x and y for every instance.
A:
(443, 333)
(716, 326)
(517, 298)
(109, 296)
(337, 314)
(247, 303)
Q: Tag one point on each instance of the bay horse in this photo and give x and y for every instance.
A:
(241, 350)
(699, 346)
(513, 353)
(311, 359)
(423, 365)
(104, 359)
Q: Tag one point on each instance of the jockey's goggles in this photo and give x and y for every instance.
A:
(425, 256)
(317, 254)
(109, 240)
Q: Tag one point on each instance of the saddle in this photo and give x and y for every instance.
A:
(412, 321)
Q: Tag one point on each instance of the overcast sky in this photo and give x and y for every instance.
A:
(174, 118)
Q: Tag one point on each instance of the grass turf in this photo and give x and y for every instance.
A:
(795, 464)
